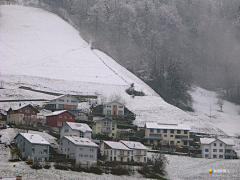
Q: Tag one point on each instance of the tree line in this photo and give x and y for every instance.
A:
(170, 44)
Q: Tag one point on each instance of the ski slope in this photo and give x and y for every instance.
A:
(42, 51)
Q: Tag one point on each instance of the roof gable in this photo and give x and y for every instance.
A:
(78, 126)
(79, 141)
(21, 107)
(97, 120)
(116, 145)
(114, 102)
(229, 142)
(55, 113)
(33, 138)
(167, 126)
(134, 145)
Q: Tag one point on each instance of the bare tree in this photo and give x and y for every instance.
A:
(220, 103)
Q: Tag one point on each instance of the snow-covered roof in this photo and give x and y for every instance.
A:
(34, 138)
(134, 145)
(116, 145)
(80, 141)
(17, 107)
(114, 102)
(64, 96)
(78, 126)
(211, 140)
(167, 126)
(55, 113)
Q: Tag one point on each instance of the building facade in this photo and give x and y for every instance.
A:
(113, 110)
(217, 148)
(76, 129)
(58, 118)
(32, 146)
(81, 149)
(105, 126)
(67, 102)
(115, 151)
(167, 134)
(26, 115)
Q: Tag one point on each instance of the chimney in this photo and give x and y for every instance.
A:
(18, 177)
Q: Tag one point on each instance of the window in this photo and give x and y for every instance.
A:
(171, 142)
(108, 106)
(138, 152)
(73, 107)
(214, 150)
(206, 155)
(221, 144)
(206, 150)
(165, 130)
(178, 131)
(65, 117)
(26, 110)
(91, 150)
(80, 155)
(112, 134)
(178, 141)
(98, 128)
(214, 156)
(81, 149)
(59, 123)
(73, 101)
(81, 134)
(20, 110)
(33, 111)
(165, 135)
(115, 158)
(151, 141)
(66, 128)
(111, 152)
(138, 158)
(220, 156)
(151, 130)
(86, 156)
(145, 153)
(71, 117)
(158, 141)
(220, 150)
(61, 106)
(61, 100)
(120, 113)
(185, 131)
(33, 149)
(40, 152)
(109, 112)
(120, 106)
(214, 144)
(185, 143)
(158, 130)
(172, 131)
(23, 149)
(91, 156)
(60, 116)
(171, 135)
(115, 152)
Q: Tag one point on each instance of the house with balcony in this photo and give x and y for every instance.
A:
(76, 129)
(217, 148)
(138, 151)
(62, 102)
(58, 118)
(113, 109)
(115, 151)
(105, 126)
(23, 115)
(32, 146)
(83, 150)
(167, 134)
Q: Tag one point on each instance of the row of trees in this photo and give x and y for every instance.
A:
(170, 44)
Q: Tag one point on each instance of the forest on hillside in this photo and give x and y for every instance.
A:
(170, 44)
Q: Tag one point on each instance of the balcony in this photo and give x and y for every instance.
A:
(187, 139)
(153, 136)
(32, 119)
(139, 154)
(123, 155)
(106, 130)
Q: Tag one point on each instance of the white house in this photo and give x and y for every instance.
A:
(114, 109)
(115, 151)
(81, 149)
(76, 129)
(32, 146)
(63, 102)
(139, 151)
(217, 148)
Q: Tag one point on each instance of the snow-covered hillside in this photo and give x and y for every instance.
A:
(42, 51)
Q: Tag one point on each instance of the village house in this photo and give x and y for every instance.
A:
(32, 146)
(105, 126)
(83, 150)
(76, 129)
(113, 109)
(66, 102)
(115, 151)
(217, 148)
(25, 115)
(57, 118)
(167, 134)
(139, 151)
(3, 124)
